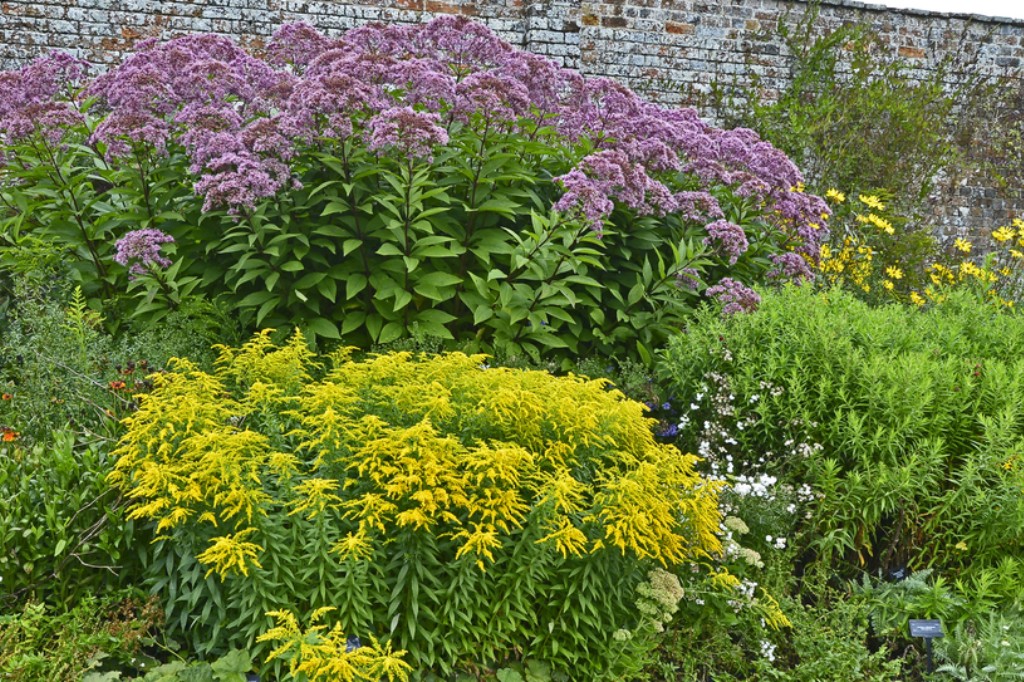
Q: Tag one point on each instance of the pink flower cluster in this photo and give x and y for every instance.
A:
(207, 93)
(139, 250)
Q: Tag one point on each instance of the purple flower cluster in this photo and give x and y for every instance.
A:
(789, 266)
(400, 90)
(139, 250)
(413, 133)
(735, 296)
(36, 98)
(728, 239)
(215, 100)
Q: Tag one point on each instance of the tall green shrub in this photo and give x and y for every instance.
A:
(906, 425)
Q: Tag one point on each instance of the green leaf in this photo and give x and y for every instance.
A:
(439, 279)
(482, 314)
(350, 245)
(355, 284)
(309, 280)
(390, 332)
(635, 293)
(257, 298)
(352, 321)
(323, 327)
(328, 288)
(402, 299)
(292, 266)
(389, 249)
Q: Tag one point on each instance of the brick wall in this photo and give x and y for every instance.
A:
(666, 49)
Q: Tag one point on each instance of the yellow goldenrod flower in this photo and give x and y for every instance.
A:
(962, 245)
(228, 553)
(871, 201)
(835, 195)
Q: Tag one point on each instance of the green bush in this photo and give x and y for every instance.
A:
(471, 516)
(903, 426)
(60, 369)
(63, 532)
(40, 644)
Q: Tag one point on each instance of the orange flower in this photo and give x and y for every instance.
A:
(9, 435)
(6, 396)
(118, 385)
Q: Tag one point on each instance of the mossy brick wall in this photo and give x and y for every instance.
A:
(666, 49)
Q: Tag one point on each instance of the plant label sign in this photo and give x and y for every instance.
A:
(926, 628)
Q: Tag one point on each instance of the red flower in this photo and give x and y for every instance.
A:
(117, 385)
(8, 435)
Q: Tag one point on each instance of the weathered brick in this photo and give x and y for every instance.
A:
(910, 52)
(679, 28)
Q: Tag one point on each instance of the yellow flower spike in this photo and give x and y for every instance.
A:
(567, 538)
(354, 546)
(230, 553)
(314, 495)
